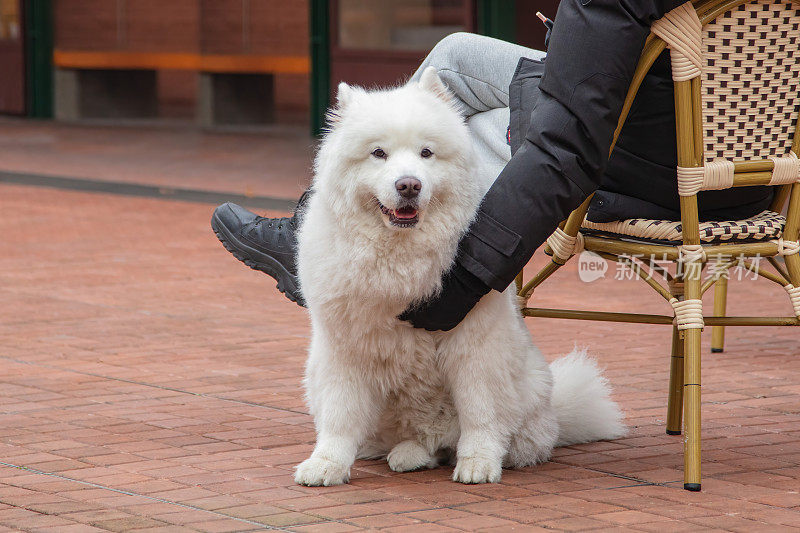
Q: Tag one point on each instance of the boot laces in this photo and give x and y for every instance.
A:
(273, 222)
(285, 221)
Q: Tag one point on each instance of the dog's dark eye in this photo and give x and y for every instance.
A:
(380, 154)
(426, 153)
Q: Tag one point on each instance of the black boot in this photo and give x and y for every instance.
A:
(265, 244)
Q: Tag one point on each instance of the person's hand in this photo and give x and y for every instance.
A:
(461, 290)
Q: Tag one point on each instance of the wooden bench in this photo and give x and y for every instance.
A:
(233, 89)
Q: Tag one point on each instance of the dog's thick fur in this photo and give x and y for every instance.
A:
(378, 387)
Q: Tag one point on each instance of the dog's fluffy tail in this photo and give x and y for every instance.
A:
(582, 403)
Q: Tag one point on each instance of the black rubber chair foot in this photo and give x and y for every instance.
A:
(717, 350)
(694, 487)
(673, 432)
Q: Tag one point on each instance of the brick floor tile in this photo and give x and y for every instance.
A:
(772, 516)
(344, 511)
(182, 516)
(290, 518)
(626, 517)
(96, 515)
(359, 496)
(477, 522)
(783, 499)
(518, 512)
(568, 504)
(508, 529)
(250, 510)
(216, 502)
(439, 514)
(426, 528)
(328, 527)
(682, 511)
(729, 523)
(128, 523)
(166, 529)
(120, 501)
(185, 494)
(500, 491)
(73, 528)
(14, 513)
(383, 521)
(308, 502)
(151, 486)
(451, 497)
(38, 521)
(668, 525)
(224, 526)
(574, 523)
(615, 529)
(561, 486)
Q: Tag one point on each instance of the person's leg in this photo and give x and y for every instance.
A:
(476, 69)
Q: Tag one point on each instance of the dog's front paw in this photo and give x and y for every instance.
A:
(407, 456)
(477, 469)
(318, 471)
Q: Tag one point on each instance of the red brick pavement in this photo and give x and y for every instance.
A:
(150, 382)
(273, 162)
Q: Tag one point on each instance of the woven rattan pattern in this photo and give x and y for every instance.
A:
(765, 225)
(751, 81)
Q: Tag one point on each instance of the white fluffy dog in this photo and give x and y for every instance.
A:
(396, 186)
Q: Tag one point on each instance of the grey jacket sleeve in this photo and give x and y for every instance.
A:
(593, 52)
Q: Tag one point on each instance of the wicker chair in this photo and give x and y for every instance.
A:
(736, 70)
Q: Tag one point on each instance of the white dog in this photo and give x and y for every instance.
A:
(396, 186)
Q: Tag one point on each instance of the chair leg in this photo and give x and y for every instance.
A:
(793, 267)
(691, 414)
(720, 305)
(691, 395)
(675, 400)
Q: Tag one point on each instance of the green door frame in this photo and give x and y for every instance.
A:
(39, 57)
(320, 63)
(494, 18)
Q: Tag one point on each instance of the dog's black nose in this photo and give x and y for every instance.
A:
(408, 187)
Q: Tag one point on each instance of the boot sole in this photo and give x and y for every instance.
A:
(258, 261)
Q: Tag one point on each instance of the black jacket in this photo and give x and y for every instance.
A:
(563, 115)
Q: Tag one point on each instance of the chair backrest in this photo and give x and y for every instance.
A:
(750, 81)
(736, 71)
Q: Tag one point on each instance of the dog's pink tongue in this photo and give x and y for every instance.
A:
(405, 212)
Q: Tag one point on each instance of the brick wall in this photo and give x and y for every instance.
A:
(222, 28)
(85, 24)
(159, 26)
(269, 27)
(278, 29)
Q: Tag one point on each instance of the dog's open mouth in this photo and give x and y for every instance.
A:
(402, 217)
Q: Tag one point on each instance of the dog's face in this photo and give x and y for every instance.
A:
(401, 153)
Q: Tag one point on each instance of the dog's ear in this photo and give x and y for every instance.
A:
(430, 81)
(344, 94)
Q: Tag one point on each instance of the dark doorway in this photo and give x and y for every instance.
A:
(12, 58)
